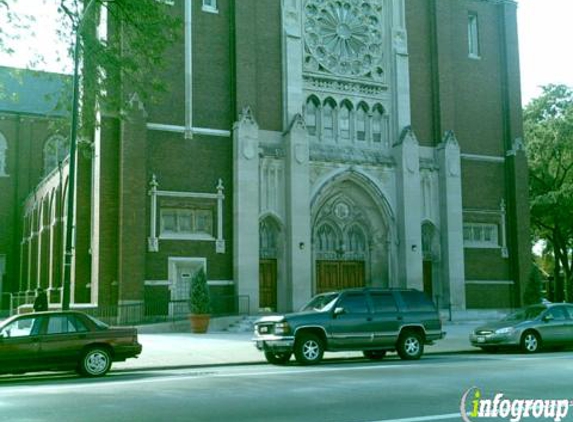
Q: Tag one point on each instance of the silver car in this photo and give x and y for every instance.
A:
(529, 328)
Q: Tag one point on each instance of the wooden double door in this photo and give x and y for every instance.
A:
(337, 275)
(268, 284)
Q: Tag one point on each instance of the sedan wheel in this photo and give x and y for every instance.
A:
(96, 362)
(308, 349)
(410, 346)
(530, 342)
(278, 358)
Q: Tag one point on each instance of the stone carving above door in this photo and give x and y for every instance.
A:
(345, 38)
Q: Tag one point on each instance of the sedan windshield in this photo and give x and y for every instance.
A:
(526, 314)
(321, 303)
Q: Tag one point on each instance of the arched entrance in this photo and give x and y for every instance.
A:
(431, 258)
(351, 235)
(269, 252)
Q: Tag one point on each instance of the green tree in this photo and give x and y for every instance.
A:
(548, 128)
(123, 45)
(532, 294)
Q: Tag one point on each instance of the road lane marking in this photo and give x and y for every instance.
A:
(424, 418)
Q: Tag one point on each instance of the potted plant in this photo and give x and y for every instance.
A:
(199, 303)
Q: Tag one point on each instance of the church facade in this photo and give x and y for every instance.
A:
(306, 146)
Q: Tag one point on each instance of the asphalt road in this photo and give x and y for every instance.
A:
(337, 390)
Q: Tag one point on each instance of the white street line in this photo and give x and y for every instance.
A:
(424, 418)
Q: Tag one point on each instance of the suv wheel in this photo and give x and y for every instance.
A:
(278, 358)
(374, 354)
(308, 349)
(410, 346)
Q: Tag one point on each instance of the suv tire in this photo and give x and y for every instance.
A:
(308, 349)
(410, 345)
(278, 358)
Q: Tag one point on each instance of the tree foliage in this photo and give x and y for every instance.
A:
(123, 45)
(548, 127)
(533, 294)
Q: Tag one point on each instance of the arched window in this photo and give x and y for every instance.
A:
(311, 118)
(56, 149)
(328, 119)
(344, 121)
(268, 238)
(361, 116)
(3, 154)
(356, 240)
(327, 239)
(377, 124)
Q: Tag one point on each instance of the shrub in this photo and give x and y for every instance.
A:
(199, 299)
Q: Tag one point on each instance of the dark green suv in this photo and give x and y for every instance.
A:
(371, 320)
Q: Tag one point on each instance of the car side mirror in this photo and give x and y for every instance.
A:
(339, 311)
(547, 318)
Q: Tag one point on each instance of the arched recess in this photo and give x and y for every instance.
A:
(328, 119)
(353, 234)
(431, 255)
(272, 290)
(312, 115)
(56, 149)
(3, 155)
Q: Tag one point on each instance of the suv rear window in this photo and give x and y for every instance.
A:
(417, 301)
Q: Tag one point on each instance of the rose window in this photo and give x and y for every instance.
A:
(344, 37)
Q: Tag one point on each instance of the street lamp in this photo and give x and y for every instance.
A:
(68, 254)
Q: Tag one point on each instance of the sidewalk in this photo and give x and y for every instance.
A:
(185, 349)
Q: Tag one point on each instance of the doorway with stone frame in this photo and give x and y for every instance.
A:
(181, 271)
(351, 236)
(272, 295)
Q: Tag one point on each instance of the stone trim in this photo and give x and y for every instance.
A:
(491, 282)
(485, 158)
(154, 194)
(195, 130)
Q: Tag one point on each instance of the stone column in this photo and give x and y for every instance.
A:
(132, 203)
(408, 194)
(298, 241)
(451, 219)
(246, 207)
(292, 59)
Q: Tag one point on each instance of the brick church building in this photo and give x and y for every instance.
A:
(303, 146)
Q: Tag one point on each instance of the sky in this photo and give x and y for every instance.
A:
(545, 38)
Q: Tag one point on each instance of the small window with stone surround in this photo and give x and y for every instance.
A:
(210, 6)
(481, 235)
(473, 36)
(186, 223)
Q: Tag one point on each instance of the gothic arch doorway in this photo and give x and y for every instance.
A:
(431, 259)
(351, 235)
(270, 250)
